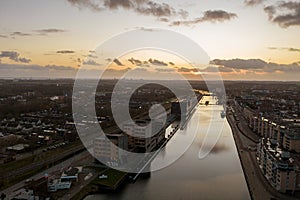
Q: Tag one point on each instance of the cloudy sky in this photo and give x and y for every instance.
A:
(245, 39)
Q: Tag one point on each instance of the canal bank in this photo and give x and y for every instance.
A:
(240, 149)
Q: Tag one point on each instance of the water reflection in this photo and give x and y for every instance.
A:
(219, 148)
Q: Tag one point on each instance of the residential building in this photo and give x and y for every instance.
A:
(142, 137)
(291, 141)
(278, 166)
(107, 148)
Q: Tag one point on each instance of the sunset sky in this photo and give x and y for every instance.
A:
(245, 39)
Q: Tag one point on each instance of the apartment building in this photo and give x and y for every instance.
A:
(107, 148)
(291, 141)
(287, 137)
(278, 166)
(142, 137)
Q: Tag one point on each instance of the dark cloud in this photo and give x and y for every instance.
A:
(17, 33)
(91, 62)
(218, 15)
(185, 69)
(115, 4)
(270, 10)
(240, 63)
(58, 67)
(210, 16)
(10, 54)
(152, 61)
(24, 60)
(224, 69)
(217, 69)
(253, 2)
(86, 3)
(65, 51)
(293, 49)
(256, 65)
(143, 7)
(156, 9)
(135, 61)
(157, 62)
(40, 32)
(15, 56)
(139, 63)
(287, 68)
(285, 14)
(117, 62)
(49, 31)
(145, 63)
(285, 48)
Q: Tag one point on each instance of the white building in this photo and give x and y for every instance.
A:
(142, 137)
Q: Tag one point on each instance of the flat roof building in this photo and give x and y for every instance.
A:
(144, 138)
(107, 148)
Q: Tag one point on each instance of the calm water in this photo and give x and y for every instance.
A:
(217, 176)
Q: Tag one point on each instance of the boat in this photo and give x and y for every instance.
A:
(223, 114)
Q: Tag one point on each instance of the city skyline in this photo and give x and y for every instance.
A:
(245, 40)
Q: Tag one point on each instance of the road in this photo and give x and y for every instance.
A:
(51, 171)
(48, 161)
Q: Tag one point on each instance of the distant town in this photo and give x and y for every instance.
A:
(43, 157)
